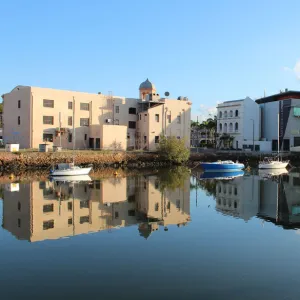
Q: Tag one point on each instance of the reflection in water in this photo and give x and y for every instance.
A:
(42, 210)
(271, 198)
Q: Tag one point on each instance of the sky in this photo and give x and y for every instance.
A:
(210, 51)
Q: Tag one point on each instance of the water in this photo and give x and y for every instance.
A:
(152, 236)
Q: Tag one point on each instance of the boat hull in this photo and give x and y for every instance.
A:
(78, 178)
(221, 175)
(273, 165)
(71, 172)
(212, 167)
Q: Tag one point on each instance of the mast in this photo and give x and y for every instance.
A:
(73, 132)
(278, 137)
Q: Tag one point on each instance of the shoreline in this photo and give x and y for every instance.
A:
(40, 161)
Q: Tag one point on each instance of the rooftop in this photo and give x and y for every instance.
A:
(281, 96)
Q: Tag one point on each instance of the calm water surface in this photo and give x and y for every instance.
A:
(153, 236)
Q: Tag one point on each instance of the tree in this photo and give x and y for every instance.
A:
(1, 107)
(173, 149)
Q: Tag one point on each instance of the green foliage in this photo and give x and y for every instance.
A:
(1, 107)
(173, 178)
(173, 149)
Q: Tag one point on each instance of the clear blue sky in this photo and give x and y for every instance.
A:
(207, 50)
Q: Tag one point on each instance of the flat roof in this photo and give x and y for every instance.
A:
(280, 96)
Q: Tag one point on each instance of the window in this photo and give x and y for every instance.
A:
(48, 208)
(145, 117)
(19, 206)
(230, 127)
(235, 204)
(84, 121)
(128, 136)
(70, 138)
(19, 222)
(236, 126)
(48, 103)
(84, 219)
(19, 103)
(156, 139)
(84, 106)
(132, 111)
(70, 123)
(231, 114)
(235, 191)
(70, 105)
(236, 113)
(117, 122)
(49, 120)
(179, 119)
(19, 120)
(296, 181)
(157, 118)
(132, 124)
(145, 139)
(178, 204)
(85, 137)
(97, 184)
(140, 116)
(116, 214)
(84, 204)
(131, 198)
(156, 207)
(220, 127)
(48, 137)
(156, 184)
(225, 127)
(48, 224)
(296, 141)
(220, 114)
(117, 109)
(131, 213)
(70, 221)
(70, 206)
(169, 118)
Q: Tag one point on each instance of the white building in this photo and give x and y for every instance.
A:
(238, 124)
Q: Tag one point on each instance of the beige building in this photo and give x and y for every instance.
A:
(34, 115)
(38, 211)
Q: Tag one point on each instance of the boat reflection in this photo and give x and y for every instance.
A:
(275, 199)
(221, 175)
(62, 207)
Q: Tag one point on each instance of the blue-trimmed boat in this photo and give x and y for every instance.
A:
(222, 175)
(222, 165)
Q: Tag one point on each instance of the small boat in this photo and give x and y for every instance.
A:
(222, 175)
(270, 163)
(69, 169)
(222, 165)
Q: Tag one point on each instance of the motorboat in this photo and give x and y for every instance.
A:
(270, 163)
(222, 165)
(69, 169)
(222, 175)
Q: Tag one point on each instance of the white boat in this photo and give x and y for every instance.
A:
(269, 163)
(69, 170)
(273, 163)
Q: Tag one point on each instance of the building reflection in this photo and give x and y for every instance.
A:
(276, 199)
(37, 211)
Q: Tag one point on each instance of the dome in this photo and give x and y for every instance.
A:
(147, 85)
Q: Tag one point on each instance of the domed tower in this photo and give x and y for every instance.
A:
(146, 87)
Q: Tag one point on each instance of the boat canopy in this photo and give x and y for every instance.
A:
(64, 166)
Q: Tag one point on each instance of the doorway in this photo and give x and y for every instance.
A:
(91, 143)
(97, 143)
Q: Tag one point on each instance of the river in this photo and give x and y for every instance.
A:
(170, 234)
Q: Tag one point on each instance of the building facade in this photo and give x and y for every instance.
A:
(238, 124)
(280, 114)
(34, 115)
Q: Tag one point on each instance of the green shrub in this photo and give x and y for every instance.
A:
(173, 149)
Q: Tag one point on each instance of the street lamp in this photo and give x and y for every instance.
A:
(252, 133)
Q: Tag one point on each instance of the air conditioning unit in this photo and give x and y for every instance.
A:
(108, 120)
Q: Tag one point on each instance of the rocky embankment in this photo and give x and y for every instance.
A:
(42, 161)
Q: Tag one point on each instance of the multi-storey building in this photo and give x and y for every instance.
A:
(34, 115)
(50, 210)
(238, 124)
(280, 114)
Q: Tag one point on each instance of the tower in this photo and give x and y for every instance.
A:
(146, 87)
